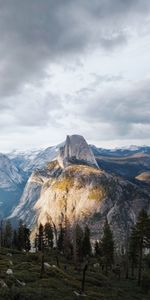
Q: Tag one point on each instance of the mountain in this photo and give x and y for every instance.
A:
(128, 167)
(76, 150)
(73, 187)
(11, 185)
(28, 161)
(145, 176)
(121, 152)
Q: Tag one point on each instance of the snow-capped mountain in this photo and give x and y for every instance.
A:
(35, 159)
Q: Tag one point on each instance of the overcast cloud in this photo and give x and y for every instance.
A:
(74, 67)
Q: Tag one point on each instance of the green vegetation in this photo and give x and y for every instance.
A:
(57, 283)
(140, 240)
(70, 268)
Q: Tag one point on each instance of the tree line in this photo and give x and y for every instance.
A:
(75, 244)
(15, 238)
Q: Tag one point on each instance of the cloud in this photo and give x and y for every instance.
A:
(39, 36)
(37, 32)
(121, 109)
(37, 109)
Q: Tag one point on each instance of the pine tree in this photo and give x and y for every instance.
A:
(133, 250)
(27, 244)
(1, 233)
(86, 244)
(48, 231)
(107, 246)
(8, 235)
(96, 248)
(60, 242)
(15, 239)
(77, 246)
(21, 240)
(40, 238)
(142, 238)
(68, 247)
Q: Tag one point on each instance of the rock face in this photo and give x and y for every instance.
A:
(16, 167)
(10, 185)
(76, 150)
(73, 187)
(9, 174)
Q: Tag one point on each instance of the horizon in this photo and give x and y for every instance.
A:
(40, 148)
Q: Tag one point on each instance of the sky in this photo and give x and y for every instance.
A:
(74, 67)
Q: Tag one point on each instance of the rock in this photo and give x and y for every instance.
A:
(96, 265)
(11, 263)
(9, 254)
(9, 272)
(3, 284)
(21, 283)
(79, 294)
(76, 150)
(53, 266)
(47, 265)
(72, 186)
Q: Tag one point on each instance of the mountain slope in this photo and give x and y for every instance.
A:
(11, 185)
(145, 176)
(81, 193)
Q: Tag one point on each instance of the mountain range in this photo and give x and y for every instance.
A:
(84, 183)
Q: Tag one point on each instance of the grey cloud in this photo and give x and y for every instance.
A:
(37, 32)
(31, 111)
(124, 109)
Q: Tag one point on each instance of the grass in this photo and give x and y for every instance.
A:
(56, 283)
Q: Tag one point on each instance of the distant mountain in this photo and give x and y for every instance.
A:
(129, 167)
(100, 182)
(11, 185)
(121, 152)
(145, 176)
(72, 187)
(31, 160)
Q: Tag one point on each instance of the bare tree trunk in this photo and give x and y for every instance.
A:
(42, 266)
(83, 277)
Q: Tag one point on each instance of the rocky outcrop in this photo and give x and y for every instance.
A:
(76, 150)
(82, 194)
(11, 183)
(145, 176)
(74, 188)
